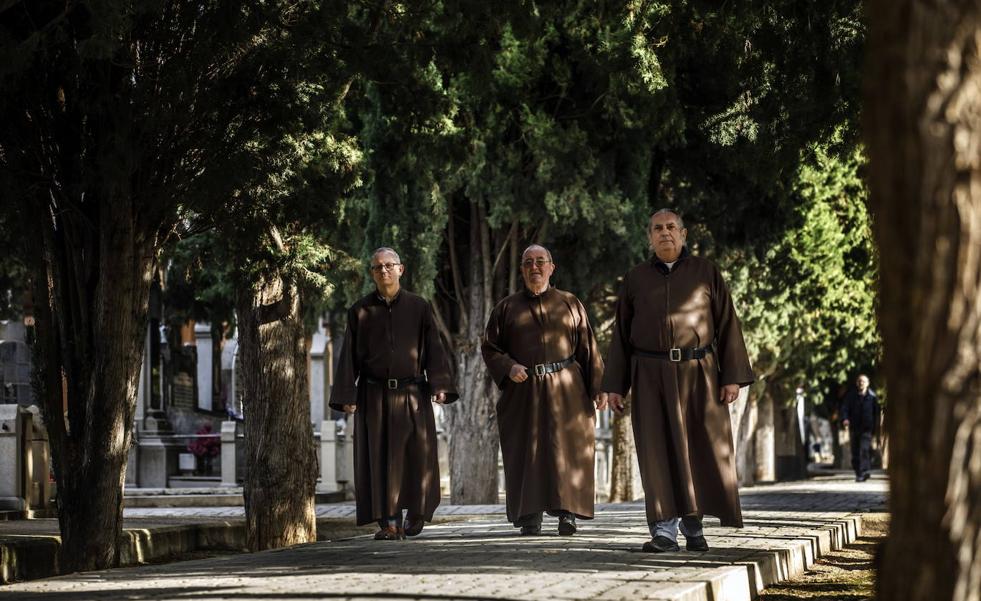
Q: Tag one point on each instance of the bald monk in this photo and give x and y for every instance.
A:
(540, 351)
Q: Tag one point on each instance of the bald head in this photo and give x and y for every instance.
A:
(862, 383)
(536, 268)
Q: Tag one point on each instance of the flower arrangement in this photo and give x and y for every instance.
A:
(205, 446)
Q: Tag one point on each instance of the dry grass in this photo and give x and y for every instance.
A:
(845, 575)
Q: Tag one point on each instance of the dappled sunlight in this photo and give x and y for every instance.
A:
(788, 526)
(691, 322)
(481, 558)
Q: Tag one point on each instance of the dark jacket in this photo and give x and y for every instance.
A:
(861, 411)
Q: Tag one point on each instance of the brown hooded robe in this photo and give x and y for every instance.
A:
(681, 428)
(547, 422)
(395, 460)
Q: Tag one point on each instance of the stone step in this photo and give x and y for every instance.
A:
(36, 556)
(226, 497)
(195, 482)
(178, 490)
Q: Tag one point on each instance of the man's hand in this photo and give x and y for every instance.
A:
(600, 401)
(519, 373)
(350, 408)
(440, 398)
(616, 401)
(729, 393)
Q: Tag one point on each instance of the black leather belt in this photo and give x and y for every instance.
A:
(550, 368)
(676, 354)
(396, 383)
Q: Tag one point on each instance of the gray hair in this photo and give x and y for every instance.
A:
(677, 216)
(537, 247)
(386, 249)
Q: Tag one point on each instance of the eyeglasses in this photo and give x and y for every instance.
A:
(384, 267)
(528, 263)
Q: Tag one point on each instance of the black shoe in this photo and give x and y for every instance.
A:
(567, 524)
(661, 544)
(531, 530)
(696, 543)
(413, 526)
(865, 477)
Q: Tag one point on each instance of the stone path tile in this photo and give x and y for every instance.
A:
(787, 528)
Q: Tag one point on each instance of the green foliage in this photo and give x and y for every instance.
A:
(197, 282)
(570, 121)
(302, 136)
(808, 306)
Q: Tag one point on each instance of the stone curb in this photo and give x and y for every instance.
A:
(744, 580)
(30, 557)
(35, 556)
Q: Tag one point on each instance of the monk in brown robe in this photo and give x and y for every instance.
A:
(391, 366)
(678, 345)
(540, 350)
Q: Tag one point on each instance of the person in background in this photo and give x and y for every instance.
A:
(860, 414)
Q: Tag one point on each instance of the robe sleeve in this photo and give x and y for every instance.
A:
(493, 348)
(587, 356)
(617, 377)
(345, 388)
(730, 346)
(437, 365)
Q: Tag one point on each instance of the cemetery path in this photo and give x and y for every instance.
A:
(788, 526)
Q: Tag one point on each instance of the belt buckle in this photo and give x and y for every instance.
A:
(540, 369)
(392, 383)
(675, 354)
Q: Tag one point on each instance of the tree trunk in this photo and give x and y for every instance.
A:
(764, 451)
(91, 288)
(744, 414)
(924, 139)
(473, 439)
(624, 456)
(279, 448)
(791, 457)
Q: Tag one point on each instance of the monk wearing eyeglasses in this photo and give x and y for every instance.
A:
(392, 368)
(540, 351)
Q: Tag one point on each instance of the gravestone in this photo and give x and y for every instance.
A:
(318, 376)
(202, 339)
(15, 364)
(16, 425)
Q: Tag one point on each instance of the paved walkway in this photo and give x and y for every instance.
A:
(787, 526)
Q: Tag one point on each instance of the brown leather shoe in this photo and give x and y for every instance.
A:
(414, 525)
(389, 533)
